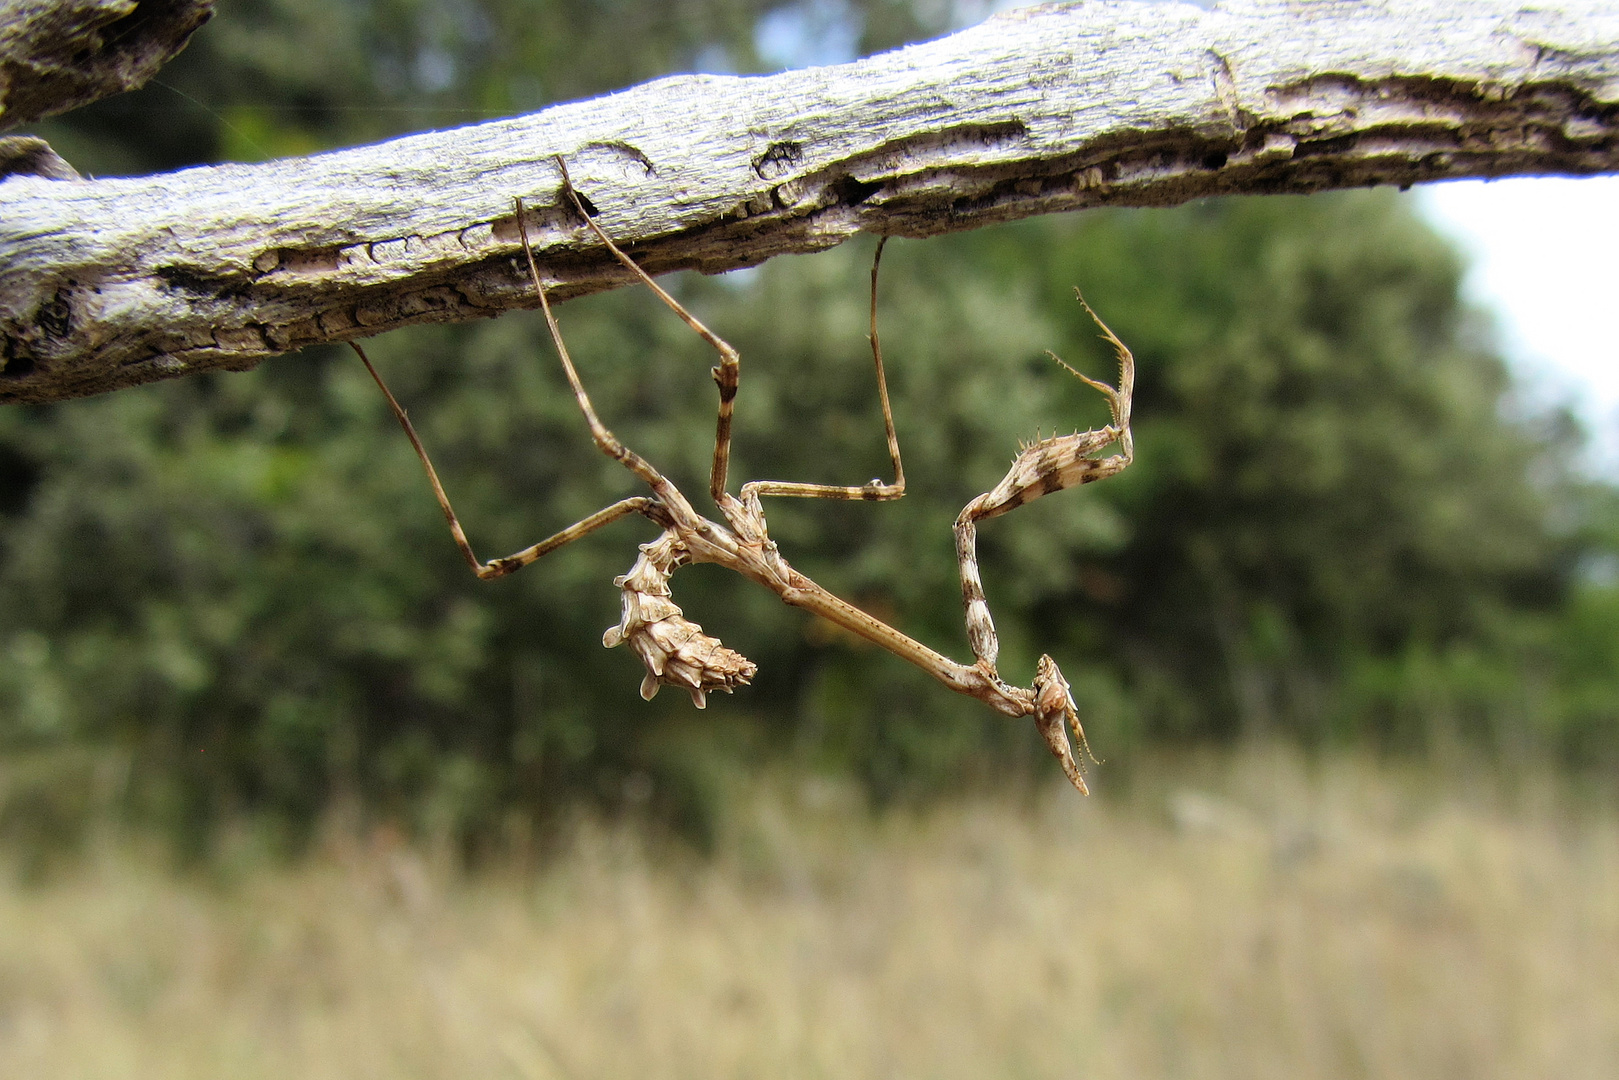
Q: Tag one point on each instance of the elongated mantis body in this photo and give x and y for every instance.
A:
(675, 651)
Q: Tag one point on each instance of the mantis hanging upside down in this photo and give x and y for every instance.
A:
(674, 650)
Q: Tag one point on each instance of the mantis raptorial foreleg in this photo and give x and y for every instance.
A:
(1042, 467)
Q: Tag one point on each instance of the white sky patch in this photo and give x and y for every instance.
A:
(808, 34)
(1545, 259)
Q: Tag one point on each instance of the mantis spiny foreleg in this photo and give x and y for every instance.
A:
(1042, 467)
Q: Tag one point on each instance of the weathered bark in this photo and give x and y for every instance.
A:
(109, 283)
(56, 55)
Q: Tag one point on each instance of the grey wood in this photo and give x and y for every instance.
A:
(112, 282)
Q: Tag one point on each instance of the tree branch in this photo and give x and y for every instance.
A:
(56, 55)
(110, 283)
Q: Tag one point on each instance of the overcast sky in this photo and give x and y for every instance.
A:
(1545, 257)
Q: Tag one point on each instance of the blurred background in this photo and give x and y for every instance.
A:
(283, 786)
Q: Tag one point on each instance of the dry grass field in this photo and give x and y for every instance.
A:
(1243, 916)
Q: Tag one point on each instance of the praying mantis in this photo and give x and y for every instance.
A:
(674, 650)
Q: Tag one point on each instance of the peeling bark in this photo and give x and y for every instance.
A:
(110, 283)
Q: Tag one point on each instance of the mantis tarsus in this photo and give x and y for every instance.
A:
(674, 650)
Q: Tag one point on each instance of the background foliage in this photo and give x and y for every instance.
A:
(233, 593)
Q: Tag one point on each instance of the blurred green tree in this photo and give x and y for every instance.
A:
(234, 593)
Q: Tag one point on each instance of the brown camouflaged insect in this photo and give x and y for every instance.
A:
(674, 650)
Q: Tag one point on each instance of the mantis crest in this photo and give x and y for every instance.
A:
(674, 650)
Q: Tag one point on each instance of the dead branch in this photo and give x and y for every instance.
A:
(57, 55)
(110, 283)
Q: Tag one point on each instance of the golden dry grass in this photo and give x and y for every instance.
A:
(1231, 917)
